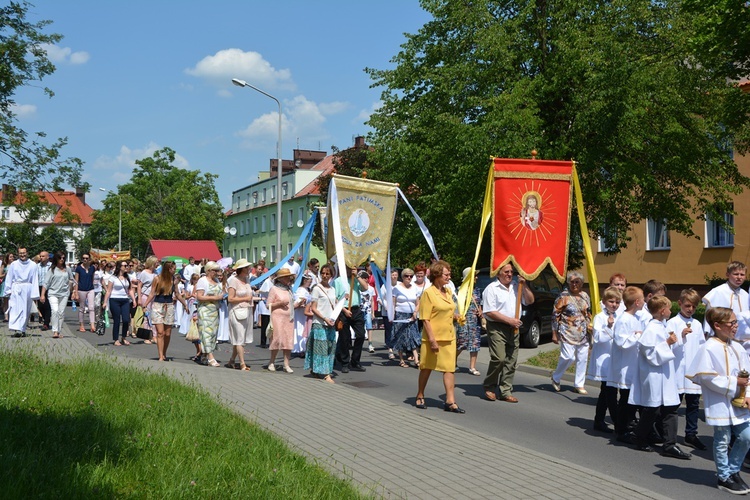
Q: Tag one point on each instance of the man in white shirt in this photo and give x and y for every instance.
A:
(732, 296)
(499, 309)
(190, 269)
(22, 287)
(292, 266)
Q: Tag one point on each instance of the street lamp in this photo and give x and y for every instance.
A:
(119, 227)
(243, 83)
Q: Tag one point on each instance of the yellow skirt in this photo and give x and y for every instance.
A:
(442, 361)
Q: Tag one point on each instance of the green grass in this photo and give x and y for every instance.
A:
(91, 429)
(548, 360)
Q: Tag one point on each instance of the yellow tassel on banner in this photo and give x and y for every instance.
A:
(593, 282)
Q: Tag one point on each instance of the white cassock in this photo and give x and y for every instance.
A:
(22, 288)
(685, 350)
(655, 384)
(601, 349)
(715, 369)
(623, 363)
(736, 300)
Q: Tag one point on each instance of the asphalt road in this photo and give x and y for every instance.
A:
(556, 424)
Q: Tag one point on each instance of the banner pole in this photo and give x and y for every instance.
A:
(518, 304)
(589, 255)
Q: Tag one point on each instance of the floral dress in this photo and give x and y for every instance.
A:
(469, 334)
(208, 318)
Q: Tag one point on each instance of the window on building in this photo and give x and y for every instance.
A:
(608, 240)
(247, 200)
(255, 198)
(6, 213)
(717, 236)
(289, 218)
(657, 235)
(255, 225)
(242, 228)
(264, 254)
(273, 192)
(284, 189)
(273, 222)
(255, 255)
(289, 248)
(234, 254)
(242, 253)
(272, 257)
(302, 214)
(263, 224)
(238, 203)
(263, 199)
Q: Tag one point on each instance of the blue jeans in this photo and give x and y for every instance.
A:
(120, 311)
(729, 462)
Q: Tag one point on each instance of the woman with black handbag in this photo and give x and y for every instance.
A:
(161, 299)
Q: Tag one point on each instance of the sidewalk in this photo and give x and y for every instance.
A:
(323, 422)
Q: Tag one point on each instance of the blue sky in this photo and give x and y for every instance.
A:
(133, 77)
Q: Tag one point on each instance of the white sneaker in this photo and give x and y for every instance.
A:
(271, 367)
(370, 348)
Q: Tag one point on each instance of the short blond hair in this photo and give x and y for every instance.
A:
(631, 294)
(657, 303)
(612, 293)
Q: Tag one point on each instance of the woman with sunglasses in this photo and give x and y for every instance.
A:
(405, 332)
(57, 288)
(117, 300)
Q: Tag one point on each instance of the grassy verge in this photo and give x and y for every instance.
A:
(547, 360)
(94, 430)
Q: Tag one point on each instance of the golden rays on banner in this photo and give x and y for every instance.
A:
(529, 203)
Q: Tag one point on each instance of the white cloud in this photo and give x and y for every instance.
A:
(65, 54)
(120, 167)
(23, 110)
(364, 114)
(301, 119)
(249, 66)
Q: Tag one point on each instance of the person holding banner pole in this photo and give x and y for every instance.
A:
(503, 321)
(351, 317)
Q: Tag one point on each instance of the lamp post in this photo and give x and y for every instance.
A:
(119, 226)
(243, 83)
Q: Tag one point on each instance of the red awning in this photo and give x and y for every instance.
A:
(200, 249)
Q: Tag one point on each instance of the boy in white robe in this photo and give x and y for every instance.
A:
(21, 288)
(651, 288)
(623, 362)
(689, 339)
(717, 368)
(655, 389)
(732, 296)
(601, 351)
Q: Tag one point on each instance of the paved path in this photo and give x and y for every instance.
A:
(400, 453)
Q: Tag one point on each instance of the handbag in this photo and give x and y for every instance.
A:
(269, 332)
(143, 333)
(193, 333)
(106, 318)
(241, 313)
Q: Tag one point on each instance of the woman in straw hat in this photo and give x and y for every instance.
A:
(240, 312)
(281, 303)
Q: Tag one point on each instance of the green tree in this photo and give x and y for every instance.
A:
(612, 85)
(161, 202)
(28, 162)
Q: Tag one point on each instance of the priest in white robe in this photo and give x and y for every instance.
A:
(21, 288)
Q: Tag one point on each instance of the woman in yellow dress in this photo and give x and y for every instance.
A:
(438, 351)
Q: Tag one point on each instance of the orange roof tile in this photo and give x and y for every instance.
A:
(66, 200)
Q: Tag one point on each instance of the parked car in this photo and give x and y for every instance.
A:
(537, 318)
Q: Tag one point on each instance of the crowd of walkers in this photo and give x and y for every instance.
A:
(646, 360)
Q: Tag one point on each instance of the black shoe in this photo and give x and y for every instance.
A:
(263, 346)
(674, 451)
(627, 438)
(45, 328)
(344, 369)
(732, 486)
(358, 368)
(602, 427)
(453, 408)
(695, 442)
(655, 438)
(738, 479)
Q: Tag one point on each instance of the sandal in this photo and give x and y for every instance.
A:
(147, 341)
(56, 336)
(419, 403)
(81, 329)
(329, 379)
(453, 408)
(230, 365)
(244, 368)
(213, 362)
(403, 364)
(117, 343)
(391, 355)
(474, 372)
(125, 342)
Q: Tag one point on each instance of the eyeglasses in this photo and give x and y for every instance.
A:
(85, 258)
(408, 275)
(730, 323)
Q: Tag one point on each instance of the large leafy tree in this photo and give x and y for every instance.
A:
(161, 202)
(28, 161)
(614, 85)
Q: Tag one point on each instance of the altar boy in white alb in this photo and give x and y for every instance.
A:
(22, 287)
(717, 368)
(732, 296)
(655, 387)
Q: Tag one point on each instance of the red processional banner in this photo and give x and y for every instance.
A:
(531, 215)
